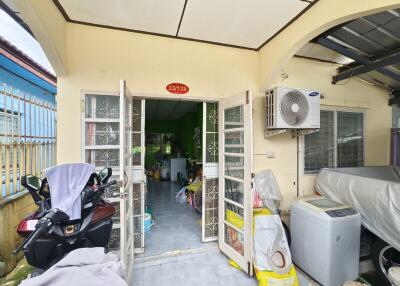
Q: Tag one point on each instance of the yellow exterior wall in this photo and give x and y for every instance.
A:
(99, 58)
(353, 93)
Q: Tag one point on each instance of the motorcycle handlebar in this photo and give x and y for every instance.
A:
(45, 224)
(31, 238)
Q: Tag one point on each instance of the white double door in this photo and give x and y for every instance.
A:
(132, 177)
(227, 168)
(235, 171)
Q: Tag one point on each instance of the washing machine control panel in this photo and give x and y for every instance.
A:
(341, 212)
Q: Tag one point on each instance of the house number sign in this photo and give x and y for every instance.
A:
(177, 88)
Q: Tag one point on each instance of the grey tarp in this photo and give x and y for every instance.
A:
(373, 191)
(83, 266)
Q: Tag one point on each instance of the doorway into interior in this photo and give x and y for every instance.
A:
(174, 175)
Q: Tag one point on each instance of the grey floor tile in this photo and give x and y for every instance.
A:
(171, 280)
(181, 245)
(151, 272)
(196, 244)
(151, 251)
(201, 261)
(168, 269)
(205, 273)
(217, 258)
(177, 228)
(166, 247)
(176, 225)
(229, 280)
(222, 270)
(138, 275)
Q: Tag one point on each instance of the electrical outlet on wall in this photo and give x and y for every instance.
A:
(270, 154)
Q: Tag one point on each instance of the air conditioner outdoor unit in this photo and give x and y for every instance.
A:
(289, 108)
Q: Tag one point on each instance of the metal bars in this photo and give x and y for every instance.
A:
(27, 136)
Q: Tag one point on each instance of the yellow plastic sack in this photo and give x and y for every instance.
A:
(234, 219)
(234, 264)
(194, 187)
(269, 278)
(157, 175)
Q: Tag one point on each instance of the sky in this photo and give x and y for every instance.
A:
(16, 35)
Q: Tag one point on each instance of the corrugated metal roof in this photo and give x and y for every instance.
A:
(370, 37)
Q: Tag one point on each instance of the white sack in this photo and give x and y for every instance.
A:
(373, 191)
(269, 238)
(267, 187)
(181, 195)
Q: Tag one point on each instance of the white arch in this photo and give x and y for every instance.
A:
(49, 28)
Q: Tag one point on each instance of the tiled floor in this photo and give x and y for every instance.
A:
(176, 225)
(174, 253)
(207, 267)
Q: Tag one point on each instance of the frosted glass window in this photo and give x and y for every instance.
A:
(338, 143)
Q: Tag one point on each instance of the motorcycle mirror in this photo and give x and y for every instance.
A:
(30, 181)
(32, 184)
(105, 174)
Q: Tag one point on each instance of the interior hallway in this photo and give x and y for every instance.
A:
(176, 225)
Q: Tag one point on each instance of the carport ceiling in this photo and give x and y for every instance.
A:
(367, 48)
(168, 109)
(244, 24)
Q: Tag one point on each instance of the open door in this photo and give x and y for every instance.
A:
(125, 176)
(209, 226)
(131, 173)
(138, 171)
(235, 170)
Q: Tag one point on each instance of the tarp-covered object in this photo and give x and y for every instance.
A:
(373, 191)
(82, 267)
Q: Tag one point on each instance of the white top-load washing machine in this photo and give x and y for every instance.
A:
(325, 239)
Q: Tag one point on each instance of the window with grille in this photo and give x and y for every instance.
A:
(9, 126)
(338, 143)
(102, 130)
(101, 146)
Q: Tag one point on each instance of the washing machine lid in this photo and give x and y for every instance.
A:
(323, 204)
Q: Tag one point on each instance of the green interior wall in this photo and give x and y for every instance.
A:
(183, 128)
(161, 126)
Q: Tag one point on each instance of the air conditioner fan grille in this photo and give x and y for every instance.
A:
(294, 108)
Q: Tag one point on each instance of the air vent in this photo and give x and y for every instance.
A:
(294, 108)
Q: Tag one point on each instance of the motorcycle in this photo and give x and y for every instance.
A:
(50, 234)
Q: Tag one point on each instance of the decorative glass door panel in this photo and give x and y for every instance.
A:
(125, 176)
(235, 168)
(138, 171)
(210, 172)
(114, 137)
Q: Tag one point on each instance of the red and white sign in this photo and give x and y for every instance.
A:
(177, 88)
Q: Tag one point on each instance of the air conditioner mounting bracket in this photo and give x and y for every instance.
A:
(301, 132)
(272, 132)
